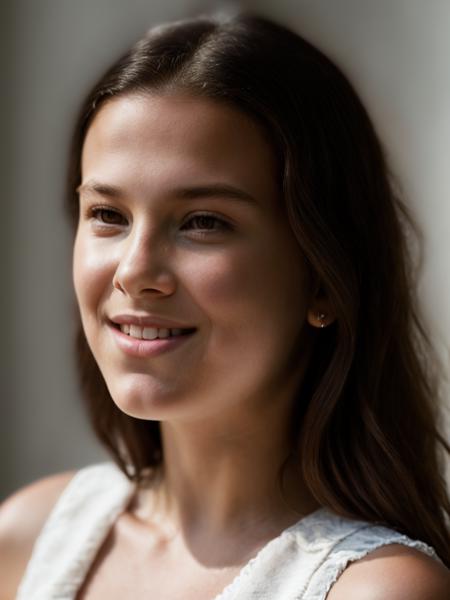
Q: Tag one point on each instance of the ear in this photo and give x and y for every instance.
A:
(319, 313)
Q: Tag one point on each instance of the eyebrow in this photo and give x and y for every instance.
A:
(217, 190)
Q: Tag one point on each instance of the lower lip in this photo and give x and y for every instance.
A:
(147, 348)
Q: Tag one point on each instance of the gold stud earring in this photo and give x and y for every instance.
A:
(320, 318)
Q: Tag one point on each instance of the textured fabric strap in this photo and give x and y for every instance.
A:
(74, 532)
(305, 561)
(302, 563)
(355, 547)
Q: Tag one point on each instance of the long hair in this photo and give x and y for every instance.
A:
(365, 421)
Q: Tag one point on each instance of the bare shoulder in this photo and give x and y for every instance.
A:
(22, 517)
(393, 572)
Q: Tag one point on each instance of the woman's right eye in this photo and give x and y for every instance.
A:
(107, 216)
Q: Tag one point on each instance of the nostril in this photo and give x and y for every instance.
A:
(116, 285)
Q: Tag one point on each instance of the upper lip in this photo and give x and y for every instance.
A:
(148, 321)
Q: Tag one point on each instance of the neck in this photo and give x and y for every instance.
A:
(225, 479)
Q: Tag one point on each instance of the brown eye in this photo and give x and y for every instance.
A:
(108, 216)
(206, 222)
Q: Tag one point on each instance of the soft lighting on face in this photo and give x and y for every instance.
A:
(180, 221)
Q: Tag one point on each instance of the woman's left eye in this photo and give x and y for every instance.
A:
(206, 223)
(107, 216)
(200, 225)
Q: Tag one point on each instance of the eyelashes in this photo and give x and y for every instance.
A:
(201, 223)
(107, 216)
(204, 222)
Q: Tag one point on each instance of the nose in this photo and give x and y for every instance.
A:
(143, 266)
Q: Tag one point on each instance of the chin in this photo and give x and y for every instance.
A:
(141, 397)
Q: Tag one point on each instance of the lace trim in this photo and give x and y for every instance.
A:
(352, 548)
(96, 495)
(83, 515)
(307, 526)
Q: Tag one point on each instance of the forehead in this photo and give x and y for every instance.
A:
(155, 140)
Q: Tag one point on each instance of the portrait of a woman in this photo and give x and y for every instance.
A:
(249, 349)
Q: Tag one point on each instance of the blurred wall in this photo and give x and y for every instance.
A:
(394, 51)
(58, 49)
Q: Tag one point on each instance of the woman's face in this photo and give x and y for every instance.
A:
(182, 228)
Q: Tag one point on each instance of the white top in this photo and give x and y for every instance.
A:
(301, 563)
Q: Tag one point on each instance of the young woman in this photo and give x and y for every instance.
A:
(250, 351)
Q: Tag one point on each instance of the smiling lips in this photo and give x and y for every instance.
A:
(145, 337)
(151, 333)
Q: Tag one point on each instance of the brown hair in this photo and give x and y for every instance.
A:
(365, 428)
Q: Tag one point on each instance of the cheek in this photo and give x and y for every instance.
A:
(218, 279)
(92, 272)
(247, 284)
(223, 284)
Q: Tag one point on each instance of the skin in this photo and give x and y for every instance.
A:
(239, 278)
(224, 398)
(243, 285)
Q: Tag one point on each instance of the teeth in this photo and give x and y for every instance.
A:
(148, 333)
(136, 331)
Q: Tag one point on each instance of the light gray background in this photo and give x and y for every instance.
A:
(395, 52)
